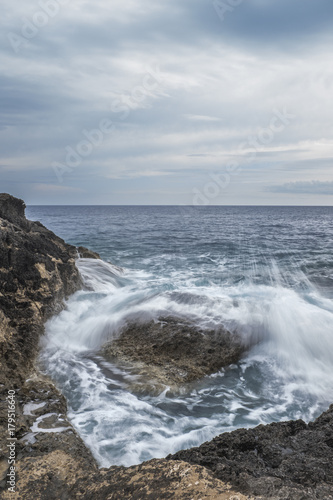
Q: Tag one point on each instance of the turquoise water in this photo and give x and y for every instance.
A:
(263, 272)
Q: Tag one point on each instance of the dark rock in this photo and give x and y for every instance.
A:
(173, 352)
(285, 460)
(12, 209)
(85, 253)
(37, 272)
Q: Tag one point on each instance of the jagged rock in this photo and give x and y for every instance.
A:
(156, 479)
(37, 272)
(46, 443)
(85, 253)
(285, 460)
(13, 210)
(172, 352)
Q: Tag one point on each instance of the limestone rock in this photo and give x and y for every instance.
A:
(13, 210)
(156, 479)
(172, 351)
(85, 253)
(285, 460)
(37, 272)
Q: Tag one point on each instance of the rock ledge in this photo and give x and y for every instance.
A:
(173, 352)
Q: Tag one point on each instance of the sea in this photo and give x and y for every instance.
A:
(265, 273)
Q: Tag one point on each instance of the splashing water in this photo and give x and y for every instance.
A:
(279, 301)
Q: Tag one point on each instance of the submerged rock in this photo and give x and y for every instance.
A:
(85, 253)
(172, 351)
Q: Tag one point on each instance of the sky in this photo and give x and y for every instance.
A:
(180, 102)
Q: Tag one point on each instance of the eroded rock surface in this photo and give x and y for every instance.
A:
(172, 352)
(50, 456)
(285, 460)
(85, 253)
(37, 271)
(156, 480)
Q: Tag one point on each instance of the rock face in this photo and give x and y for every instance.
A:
(50, 456)
(37, 271)
(56, 475)
(172, 352)
(286, 460)
(156, 479)
(85, 253)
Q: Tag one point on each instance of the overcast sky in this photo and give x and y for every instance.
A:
(176, 102)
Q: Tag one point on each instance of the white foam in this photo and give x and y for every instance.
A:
(36, 429)
(30, 408)
(29, 438)
(98, 275)
(287, 373)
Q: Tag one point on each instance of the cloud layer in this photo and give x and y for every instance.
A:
(142, 102)
(312, 187)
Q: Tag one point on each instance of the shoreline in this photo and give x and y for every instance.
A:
(64, 466)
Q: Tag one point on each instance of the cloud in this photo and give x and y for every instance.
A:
(307, 187)
(202, 118)
(200, 155)
(55, 189)
(220, 82)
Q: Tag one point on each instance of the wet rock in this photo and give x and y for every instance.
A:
(285, 460)
(37, 272)
(50, 456)
(173, 352)
(85, 253)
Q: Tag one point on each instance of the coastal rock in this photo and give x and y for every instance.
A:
(56, 475)
(50, 456)
(172, 352)
(85, 253)
(156, 479)
(285, 460)
(37, 272)
(13, 210)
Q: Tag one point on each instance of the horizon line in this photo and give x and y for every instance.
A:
(166, 205)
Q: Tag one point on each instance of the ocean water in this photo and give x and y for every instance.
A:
(263, 272)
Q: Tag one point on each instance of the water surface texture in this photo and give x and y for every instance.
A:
(265, 272)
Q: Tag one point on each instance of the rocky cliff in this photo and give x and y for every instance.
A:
(37, 272)
(284, 460)
(289, 460)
